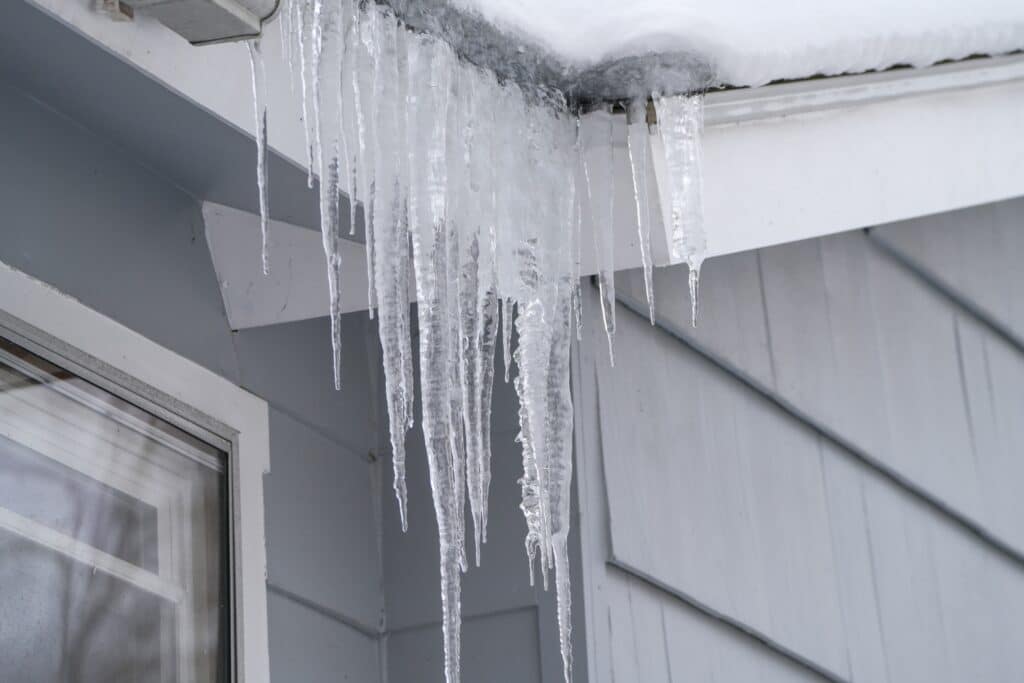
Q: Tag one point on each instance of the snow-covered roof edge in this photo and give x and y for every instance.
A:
(517, 57)
(608, 50)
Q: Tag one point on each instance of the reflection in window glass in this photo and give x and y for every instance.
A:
(113, 537)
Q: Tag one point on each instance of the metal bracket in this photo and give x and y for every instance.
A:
(205, 22)
(116, 10)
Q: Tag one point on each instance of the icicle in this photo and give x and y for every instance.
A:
(305, 12)
(355, 120)
(347, 138)
(413, 71)
(329, 226)
(487, 332)
(637, 137)
(285, 32)
(259, 92)
(577, 234)
(388, 235)
(459, 316)
(320, 23)
(680, 125)
(599, 176)
(530, 325)
(430, 77)
(328, 43)
(558, 441)
(470, 180)
(507, 307)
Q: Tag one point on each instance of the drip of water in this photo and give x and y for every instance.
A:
(259, 93)
(681, 125)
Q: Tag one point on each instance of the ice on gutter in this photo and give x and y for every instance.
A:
(749, 42)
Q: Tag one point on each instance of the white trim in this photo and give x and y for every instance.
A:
(90, 556)
(178, 383)
(815, 173)
(295, 288)
(799, 97)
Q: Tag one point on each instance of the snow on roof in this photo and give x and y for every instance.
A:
(752, 42)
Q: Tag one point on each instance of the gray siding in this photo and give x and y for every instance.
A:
(821, 479)
(84, 216)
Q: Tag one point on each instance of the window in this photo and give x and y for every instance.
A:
(131, 521)
(112, 536)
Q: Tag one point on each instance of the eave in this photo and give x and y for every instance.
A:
(783, 162)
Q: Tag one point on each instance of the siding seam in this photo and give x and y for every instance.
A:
(326, 612)
(466, 618)
(852, 451)
(351, 449)
(933, 283)
(734, 624)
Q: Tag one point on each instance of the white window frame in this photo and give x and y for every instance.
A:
(67, 332)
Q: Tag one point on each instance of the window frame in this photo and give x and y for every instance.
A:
(66, 332)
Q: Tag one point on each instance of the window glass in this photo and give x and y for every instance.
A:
(113, 537)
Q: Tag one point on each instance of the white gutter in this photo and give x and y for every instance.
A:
(781, 163)
(799, 97)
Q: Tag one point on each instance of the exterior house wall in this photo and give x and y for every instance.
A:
(83, 215)
(821, 480)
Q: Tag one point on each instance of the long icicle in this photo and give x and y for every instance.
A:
(432, 71)
(259, 93)
(328, 40)
(599, 175)
(389, 236)
(638, 142)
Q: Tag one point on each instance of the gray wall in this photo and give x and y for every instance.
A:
(83, 215)
(822, 480)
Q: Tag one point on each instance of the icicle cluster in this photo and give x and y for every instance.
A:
(468, 189)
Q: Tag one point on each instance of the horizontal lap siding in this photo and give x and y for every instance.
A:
(497, 648)
(871, 353)
(712, 491)
(975, 252)
(860, 518)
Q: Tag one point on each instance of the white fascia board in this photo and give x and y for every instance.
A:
(781, 162)
(296, 286)
(804, 160)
